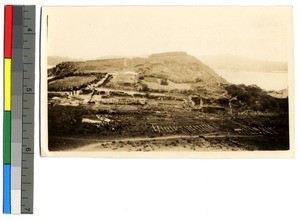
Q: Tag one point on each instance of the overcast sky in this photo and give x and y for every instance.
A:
(89, 33)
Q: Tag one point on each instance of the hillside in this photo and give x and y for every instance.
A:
(175, 75)
(279, 94)
(55, 60)
(163, 72)
(178, 67)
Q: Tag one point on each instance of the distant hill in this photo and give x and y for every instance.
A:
(279, 94)
(178, 67)
(54, 60)
(241, 63)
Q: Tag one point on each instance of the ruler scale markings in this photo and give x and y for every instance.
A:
(28, 110)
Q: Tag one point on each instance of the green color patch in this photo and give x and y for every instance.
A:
(7, 137)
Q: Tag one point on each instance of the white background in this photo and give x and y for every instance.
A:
(163, 189)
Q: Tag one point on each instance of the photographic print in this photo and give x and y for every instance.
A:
(167, 81)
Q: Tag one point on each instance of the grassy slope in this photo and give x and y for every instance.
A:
(178, 67)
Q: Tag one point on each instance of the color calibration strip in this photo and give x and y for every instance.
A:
(7, 109)
(19, 56)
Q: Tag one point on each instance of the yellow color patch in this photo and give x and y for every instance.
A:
(7, 84)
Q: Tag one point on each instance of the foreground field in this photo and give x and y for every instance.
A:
(146, 130)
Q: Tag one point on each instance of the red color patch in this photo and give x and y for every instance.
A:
(8, 31)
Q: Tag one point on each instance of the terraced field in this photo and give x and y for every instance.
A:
(71, 83)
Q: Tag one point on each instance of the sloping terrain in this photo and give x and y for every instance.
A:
(279, 94)
(171, 72)
(55, 60)
(166, 72)
(176, 66)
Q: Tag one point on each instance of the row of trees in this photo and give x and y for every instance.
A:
(254, 98)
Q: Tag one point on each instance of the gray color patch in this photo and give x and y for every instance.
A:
(17, 81)
(16, 127)
(16, 107)
(16, 173)
(17, 58)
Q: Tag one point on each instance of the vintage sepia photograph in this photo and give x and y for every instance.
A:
(167, 81)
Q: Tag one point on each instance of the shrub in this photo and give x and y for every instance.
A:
(164, 82)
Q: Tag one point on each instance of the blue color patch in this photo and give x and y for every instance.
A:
(6, 189)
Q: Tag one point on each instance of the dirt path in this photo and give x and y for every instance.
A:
(156, 144)
(207, 135)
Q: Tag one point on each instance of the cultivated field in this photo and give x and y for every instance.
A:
(71, 83)
(142, 130)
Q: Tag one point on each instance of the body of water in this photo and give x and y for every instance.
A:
(265, 80)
